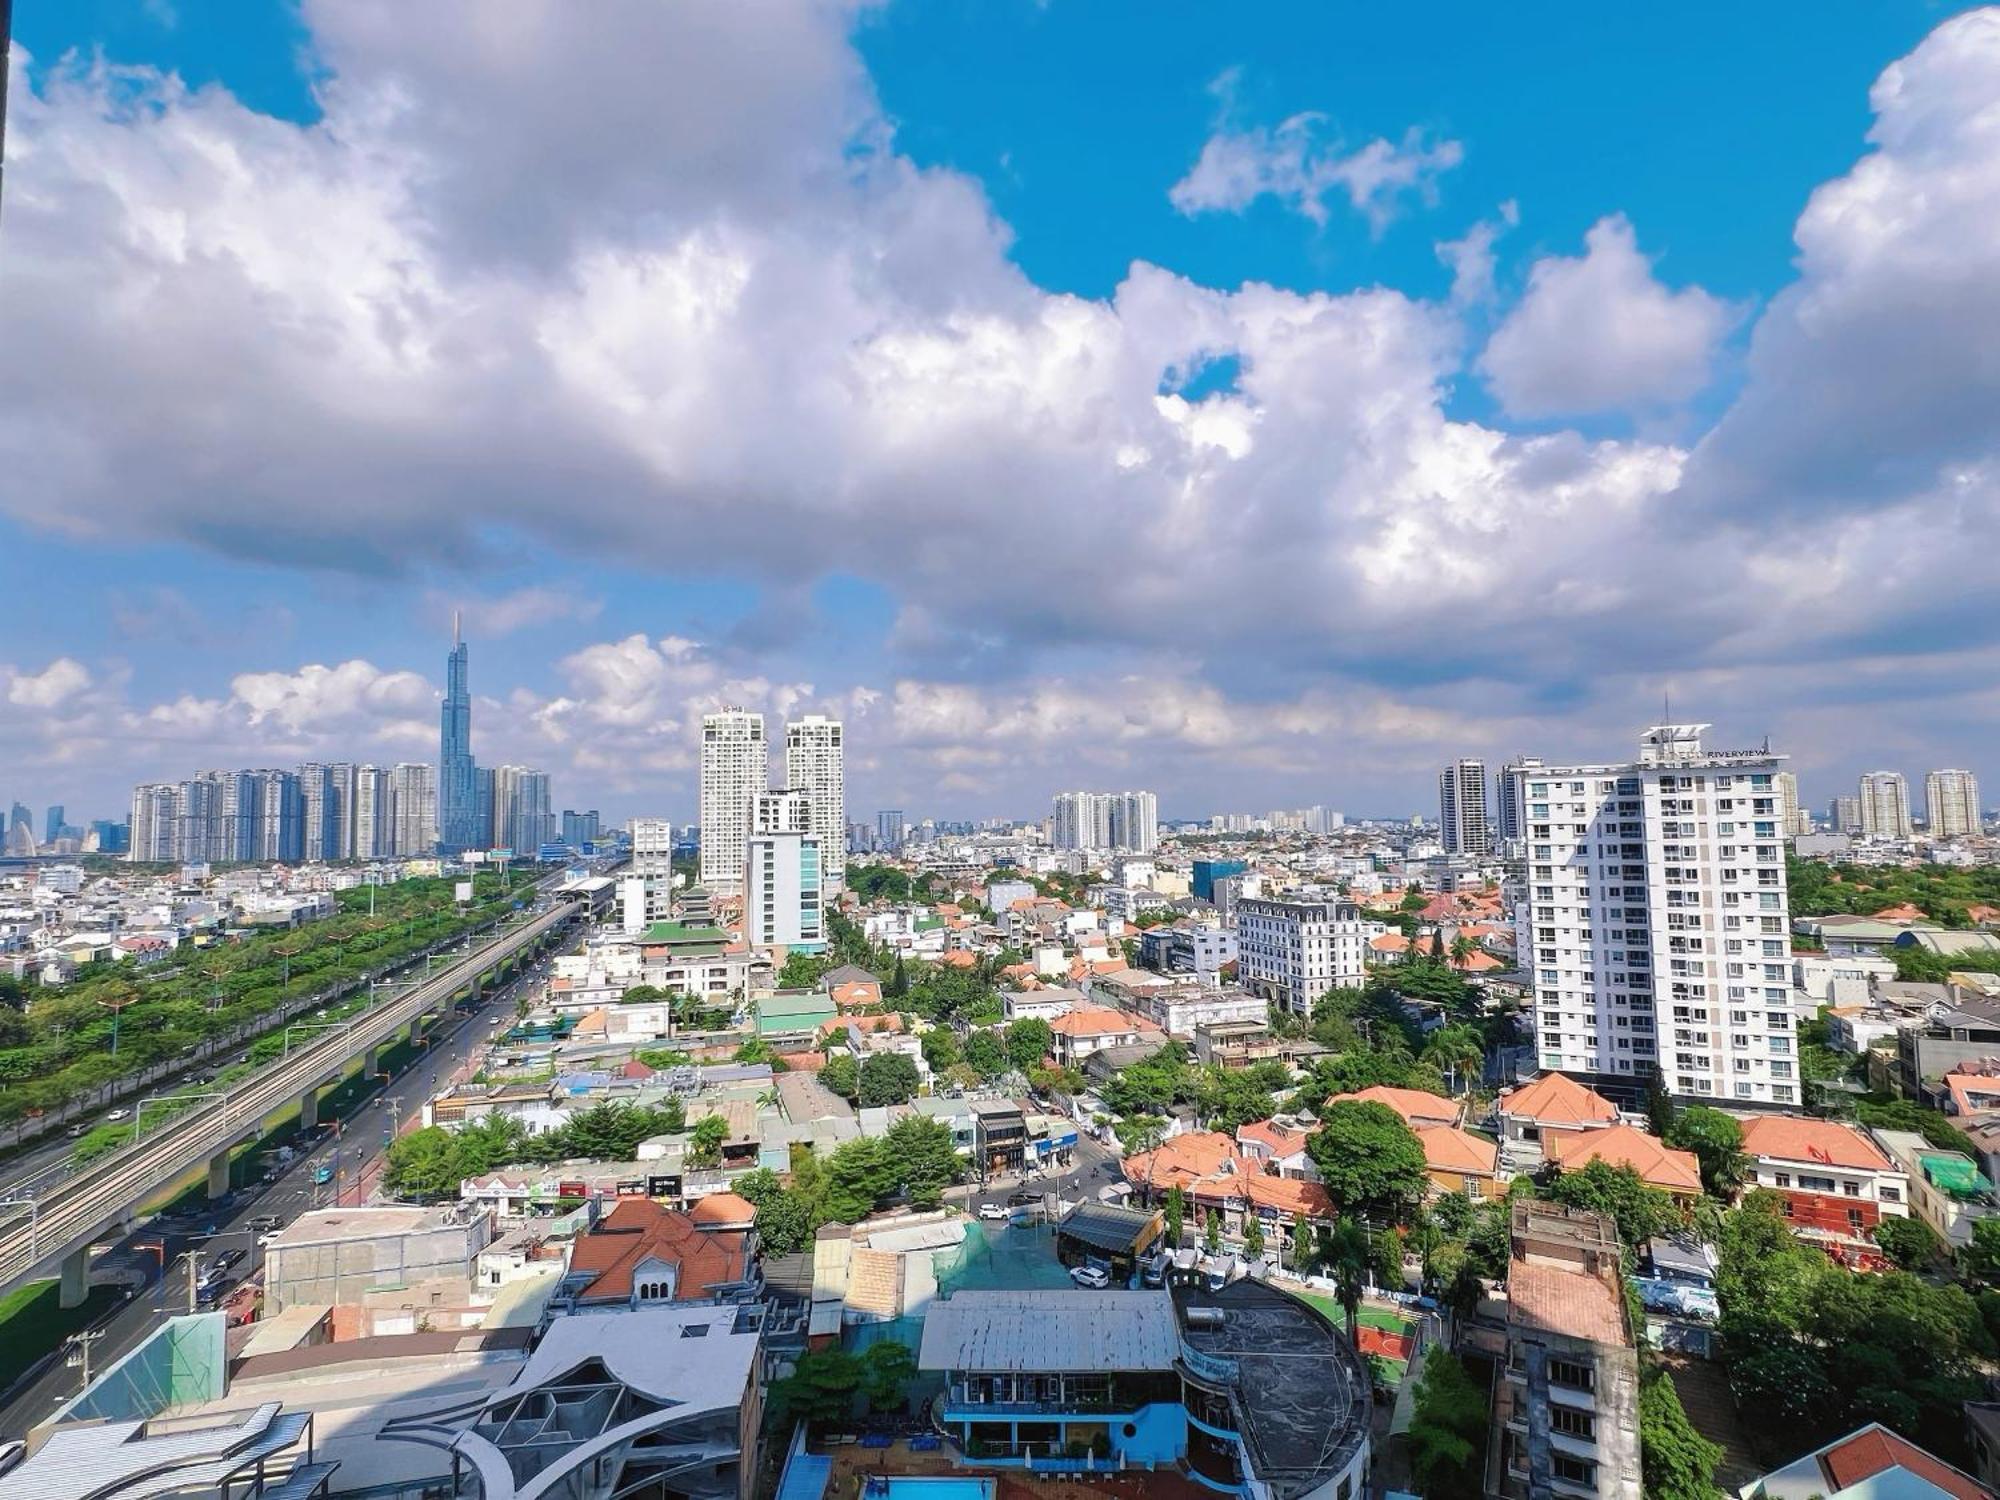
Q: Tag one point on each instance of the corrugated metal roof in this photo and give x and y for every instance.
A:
(1055, 1331)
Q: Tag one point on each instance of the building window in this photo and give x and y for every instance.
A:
(1578, 1377)
(1571, 1422)
(1575, 1470)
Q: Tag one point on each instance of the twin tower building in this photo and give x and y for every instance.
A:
(784, 848)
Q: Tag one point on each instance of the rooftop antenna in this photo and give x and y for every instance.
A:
(1667, 706)
(454, 627)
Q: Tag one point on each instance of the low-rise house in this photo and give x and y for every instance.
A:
(1659, 1165)
(1947, 1189)
(1870, 1463)
(1552, 1105)
(1079, 1033)
(852, 987)
(1416, 1107)
(643, 1252)
(1836, 1183)
(1278, 1145)
(1043, 1004)
(1460, 1163)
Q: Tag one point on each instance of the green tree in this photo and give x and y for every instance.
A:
(1139, 1134)
(842, 1075)
(705, 1143)
(821, 1387)
(925, 1157)
(1640, 1210)
(1345, 1248)
(888, 1078)
(1368, 1158)
(1301, 1244)
(899, 981)
(986, 1054)
(1176, 1212)
(941, 1049)
(1909, 1242)
(801, 971)
(1447, 1431)
(859, 1175)
(1677, 1462)
(1212, 1232)
(1717, 1143)
(1253, 1236)
(887, 1369)
(1028, 1042)
(1386, 1258)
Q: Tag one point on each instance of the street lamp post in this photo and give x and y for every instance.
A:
(139, 1110)
(311, 1026)
(34, 1222)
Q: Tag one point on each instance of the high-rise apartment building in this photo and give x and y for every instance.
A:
(272, 816)
(783, 884)
(154, 836)
(52, 823)
(1845, 814)
(1509, 795)
(111, 836)
(1462, 808)
(1885, 805)
(340, 810)
(889, 829)
(457, 776)
(1951, 804)
(1106, 822)
(317, 804)
(580, 828)
(1792, 815)
(522, 820)
(1654, 919)
(652, 846)
(735, 767)
(374, 824)
(815, 764)
(413, 807)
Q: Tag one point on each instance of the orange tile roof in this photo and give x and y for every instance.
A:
(1657, 1164)
(959, 958)
(1414, 1105)
(638, 1229)
(1792, 1138)
(1291, 1196)
(1183, 1161)
(723, 1208)
(1390, 942)
(831, 1024)
(1478, 961)
(1874, 1449)
(1902, 912)
(1558, 1099)
(1099, 1022)
(1449, 1149)
(1973, 1094)
(1279, 1140)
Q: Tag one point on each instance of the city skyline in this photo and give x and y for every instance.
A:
(1301, 328)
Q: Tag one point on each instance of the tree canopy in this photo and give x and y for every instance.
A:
(1368, 1158)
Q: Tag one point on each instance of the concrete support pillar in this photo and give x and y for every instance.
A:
(75, 1278)
(371, 1062)
(309, 1108)
(218, 1174)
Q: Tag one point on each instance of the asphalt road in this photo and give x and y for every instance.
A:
(354, 1154)
(1092, 1168)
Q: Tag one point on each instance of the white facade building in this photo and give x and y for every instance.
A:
(1293, 952)
(374, 834)
(1654, 919)
(1124, 822)
(1462, 808)
(783, 885)
(1791, 813)
(735, 767)
(1951, 804)
(652, 846)
(816, 764)
(1885, 805)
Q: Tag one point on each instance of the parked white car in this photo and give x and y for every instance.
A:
(1090, 1276)
(992, 1210)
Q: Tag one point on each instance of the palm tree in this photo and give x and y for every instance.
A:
(1462, 948)
(1350, 1270)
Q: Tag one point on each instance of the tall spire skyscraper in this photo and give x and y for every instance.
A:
(458, 778)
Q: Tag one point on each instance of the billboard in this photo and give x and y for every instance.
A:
(464, 889)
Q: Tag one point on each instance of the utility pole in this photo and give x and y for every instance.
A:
(80, 1342)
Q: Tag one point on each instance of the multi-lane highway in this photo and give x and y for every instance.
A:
(355, 1155)
(63, 1221)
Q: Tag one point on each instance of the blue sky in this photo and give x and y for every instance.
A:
(807, 356)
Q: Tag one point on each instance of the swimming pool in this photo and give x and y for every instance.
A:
(925, 1487)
